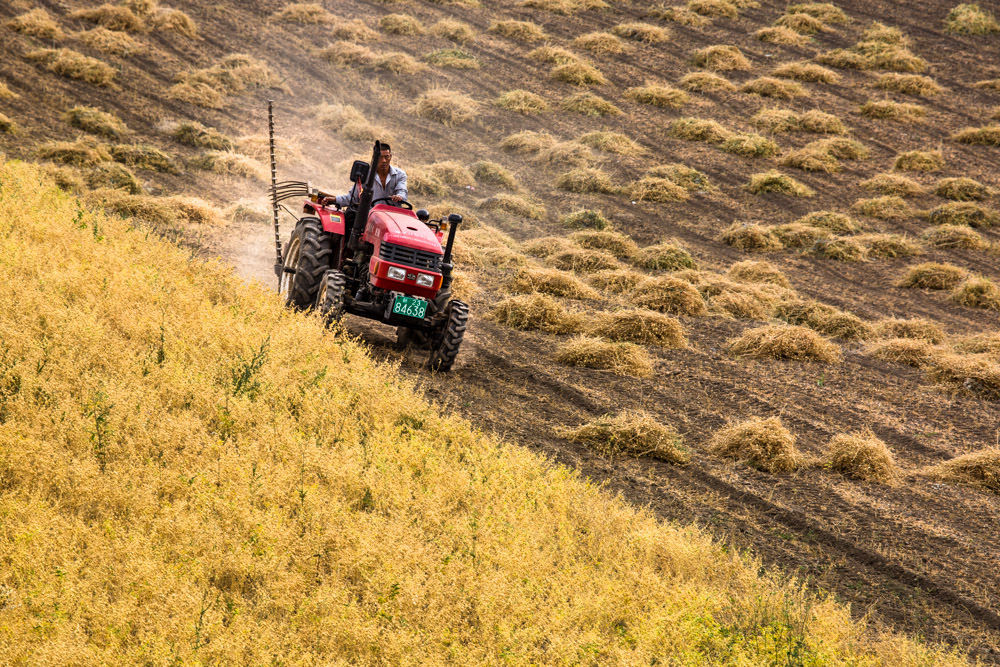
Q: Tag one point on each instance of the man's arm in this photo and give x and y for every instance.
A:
(399, 194)
(344, 201)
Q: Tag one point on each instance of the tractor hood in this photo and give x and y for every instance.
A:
(400, 227)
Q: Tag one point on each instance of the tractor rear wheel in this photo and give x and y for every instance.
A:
(307, 255)
(445, 349)
(330, 297)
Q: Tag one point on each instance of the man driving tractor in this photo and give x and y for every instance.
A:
(389, 182)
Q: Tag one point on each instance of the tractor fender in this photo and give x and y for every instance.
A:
(332, 221)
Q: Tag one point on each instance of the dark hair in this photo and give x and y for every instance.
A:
(386, 146)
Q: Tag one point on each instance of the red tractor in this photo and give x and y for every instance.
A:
(376, 259)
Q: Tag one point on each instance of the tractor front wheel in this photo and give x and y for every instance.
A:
(330, 298)
(307, 255)
(444, 351)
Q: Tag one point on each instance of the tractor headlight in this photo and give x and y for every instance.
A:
(425, 280)
(396, 273)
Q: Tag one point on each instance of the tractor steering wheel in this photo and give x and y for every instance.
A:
(398, 204)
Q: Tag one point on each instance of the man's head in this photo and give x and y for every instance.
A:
(385, 157)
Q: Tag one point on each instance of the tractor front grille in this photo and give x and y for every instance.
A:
(418, 259)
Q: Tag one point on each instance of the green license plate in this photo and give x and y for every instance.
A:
(409, 306)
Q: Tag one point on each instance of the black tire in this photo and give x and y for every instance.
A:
(445, 350)
(330, 296)
(309, 253)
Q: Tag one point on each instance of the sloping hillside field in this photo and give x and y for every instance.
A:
(735, 262)
(192, 473)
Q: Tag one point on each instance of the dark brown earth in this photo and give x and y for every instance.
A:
(920, 556)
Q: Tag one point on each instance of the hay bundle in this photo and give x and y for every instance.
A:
(546, 246)
(861, 455)
(549, 281)
(699, 129)
(601, 43)
(982, 136)
(915, 328)
(889, 245)
(764, 444)
(980, 469)
(838, 223)
(646, 327)
(578, 74)
(663, 257)
(586, 179)
(706, 82)
(590, 105)
(658, 95)
(750, 236)
(144, 156)
(618, 281)
(447, 107)
(977, 292)
(955, 236)
(757, 271)
(775, 181)
(720, 58)
(963, 213)
(36, 23)
(539, 312)
(633, 432)
(585, 219)
(979, 374)
(961, 189)
(672, 295)
(893, 184)
(919, 161)
(527, 141)
(785, 341)
(96, 122)
(888, 207)
(521, 31)
(112, 17)
(933, 275)
(654, 189)
(191, 133)
(584, 261)
(797, 235)
(513, 204)
(823, 318)
(522, 101)
(806, 71)
(83, 152)
(781, 35)
(681, 175)
(618, 244)
(619, 358)
(74, 65)
(908, 351)
(769, 86)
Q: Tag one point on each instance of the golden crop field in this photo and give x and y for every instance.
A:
(731, 261)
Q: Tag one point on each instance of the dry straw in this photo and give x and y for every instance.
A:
(915, 328)
(933, 275)
(751, 236)
(36, 23)
(979, 469)
(549, 281)
(619, 358)
(636, 433)
(861, 455)
(785, 341)
(74, 65)
(646, 327)
(764, 444)
(908, 351)
(667, 294)
(706, 82)
(536, 312)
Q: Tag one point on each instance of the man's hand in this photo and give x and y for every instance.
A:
(396, 198)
